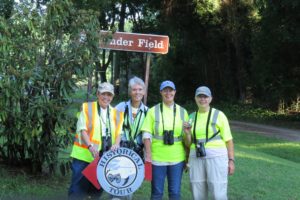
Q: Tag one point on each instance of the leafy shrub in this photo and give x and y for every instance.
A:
(43, 56)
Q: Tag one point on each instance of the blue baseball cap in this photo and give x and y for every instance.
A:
(203, 90)
(167, 83)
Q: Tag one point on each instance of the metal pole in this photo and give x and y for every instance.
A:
(147, 77)
(113, 67)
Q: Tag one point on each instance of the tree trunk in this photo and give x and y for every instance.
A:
(234, 50)
(117, 69)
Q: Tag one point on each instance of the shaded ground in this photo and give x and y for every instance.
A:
(271, 131)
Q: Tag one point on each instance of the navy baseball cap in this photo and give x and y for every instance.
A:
(167, 83)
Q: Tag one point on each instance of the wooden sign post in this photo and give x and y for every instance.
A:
(147, 43)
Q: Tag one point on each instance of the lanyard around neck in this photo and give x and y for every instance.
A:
(108, 129)
(207, 123)
(140, 112)
(162, 116)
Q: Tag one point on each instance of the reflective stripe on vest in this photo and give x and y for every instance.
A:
(157, 120)
(78, 138)
(90, 114)
(133, 128)
(116, 126)
(214, 127)
(89, 110)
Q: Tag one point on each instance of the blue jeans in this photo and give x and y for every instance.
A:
(173, 173)
(80, 187)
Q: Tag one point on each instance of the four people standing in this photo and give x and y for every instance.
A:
(167, 130)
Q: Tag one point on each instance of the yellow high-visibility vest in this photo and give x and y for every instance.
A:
(153, 124)
(92, 125)
(218, 122)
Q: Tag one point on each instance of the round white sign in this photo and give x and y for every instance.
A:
(120, 172)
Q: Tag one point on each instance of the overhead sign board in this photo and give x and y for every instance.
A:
(134, 42)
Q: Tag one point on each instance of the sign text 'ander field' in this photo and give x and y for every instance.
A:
(135, 42)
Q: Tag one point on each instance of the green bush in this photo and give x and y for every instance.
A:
(248, 112)
(42, 57)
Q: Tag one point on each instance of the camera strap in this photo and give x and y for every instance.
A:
(162, 116)
(128, 125)
(207, 124)
(107, 128)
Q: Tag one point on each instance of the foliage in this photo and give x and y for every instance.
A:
(276, 46)
(245, 51)
(259, 114)
(42, 56)
(204, 41)
(6, 7)
(226, 45)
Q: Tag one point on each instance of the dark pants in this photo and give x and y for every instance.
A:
(174, 175)
(80, 187)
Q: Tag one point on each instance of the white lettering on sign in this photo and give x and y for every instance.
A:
(135, 42)
(150, 44)
(121, 42)
(120, 192)
(120, 172)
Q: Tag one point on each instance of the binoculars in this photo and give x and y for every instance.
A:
(138, 148)
(127, 144)
(106, 143)
(200, 149)
(168, 137)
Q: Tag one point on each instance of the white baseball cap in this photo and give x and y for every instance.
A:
(106, 87)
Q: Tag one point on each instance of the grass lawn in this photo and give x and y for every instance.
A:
(266, 168)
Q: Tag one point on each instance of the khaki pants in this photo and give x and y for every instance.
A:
(208, 177)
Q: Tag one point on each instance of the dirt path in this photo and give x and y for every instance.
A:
(271, 131)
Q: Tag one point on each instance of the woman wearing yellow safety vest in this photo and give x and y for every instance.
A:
(163, 139)
(211, 156)
(134, 114)
(98, 130)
